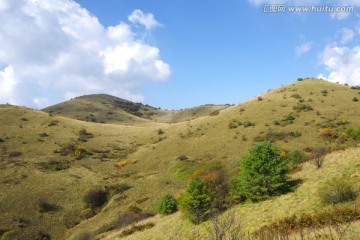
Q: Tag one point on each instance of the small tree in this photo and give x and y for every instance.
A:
(318, 156)
(263, 173)
(195, 201)
(167, 204)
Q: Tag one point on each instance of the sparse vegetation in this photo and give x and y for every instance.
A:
(54, 165)
(194, 147)
(248, 124)
(337, 190)
(53, 123)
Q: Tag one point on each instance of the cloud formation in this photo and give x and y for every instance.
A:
(303, 48)
(342, 63)
(51, 50)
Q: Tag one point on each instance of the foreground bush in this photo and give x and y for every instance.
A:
(337, 190)
(167, 205)
(263, 173)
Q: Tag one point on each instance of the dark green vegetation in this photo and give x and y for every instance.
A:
(167, 204)
(69, 179)
(263, 173)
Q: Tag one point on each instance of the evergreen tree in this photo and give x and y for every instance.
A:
(263, 173)
(195, 201)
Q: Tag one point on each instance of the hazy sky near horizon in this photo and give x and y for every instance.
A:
(171, 54)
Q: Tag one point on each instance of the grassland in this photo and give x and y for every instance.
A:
(149, 146)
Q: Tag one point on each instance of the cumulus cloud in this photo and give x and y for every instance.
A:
(51, 50)
(342, 63)
(303, 48)
(148, 20)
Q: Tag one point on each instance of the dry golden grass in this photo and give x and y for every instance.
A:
(153, 168)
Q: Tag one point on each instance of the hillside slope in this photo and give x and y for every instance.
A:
(102, 108)
(146, 157)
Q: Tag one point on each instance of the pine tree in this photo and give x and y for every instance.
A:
(195, 201)
(263, 173)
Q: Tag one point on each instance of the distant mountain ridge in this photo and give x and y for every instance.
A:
(103, 108)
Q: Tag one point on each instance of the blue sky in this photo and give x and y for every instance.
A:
(169, 54)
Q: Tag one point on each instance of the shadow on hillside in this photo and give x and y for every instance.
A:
(294, 184)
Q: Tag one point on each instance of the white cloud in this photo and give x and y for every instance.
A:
(347, 35)
(342, 63)
(303, 48)
(8, 85)
(56, 48)
(41, 102)
(148, 20)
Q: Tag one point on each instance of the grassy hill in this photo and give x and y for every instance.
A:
(43, 181)
(102, 108)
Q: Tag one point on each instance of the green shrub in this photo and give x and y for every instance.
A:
(54, 165)
(297, 96)
(234, 123)
(302, 106)
(296, 157)
(248, 124)
(288, 117)
(296, 134)
(195, 201)
(263, 173)
(167, 204)
(53, 123)
(355, 99)
(276, 122)
(300, 79)
(336, 190)
(354, 133)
